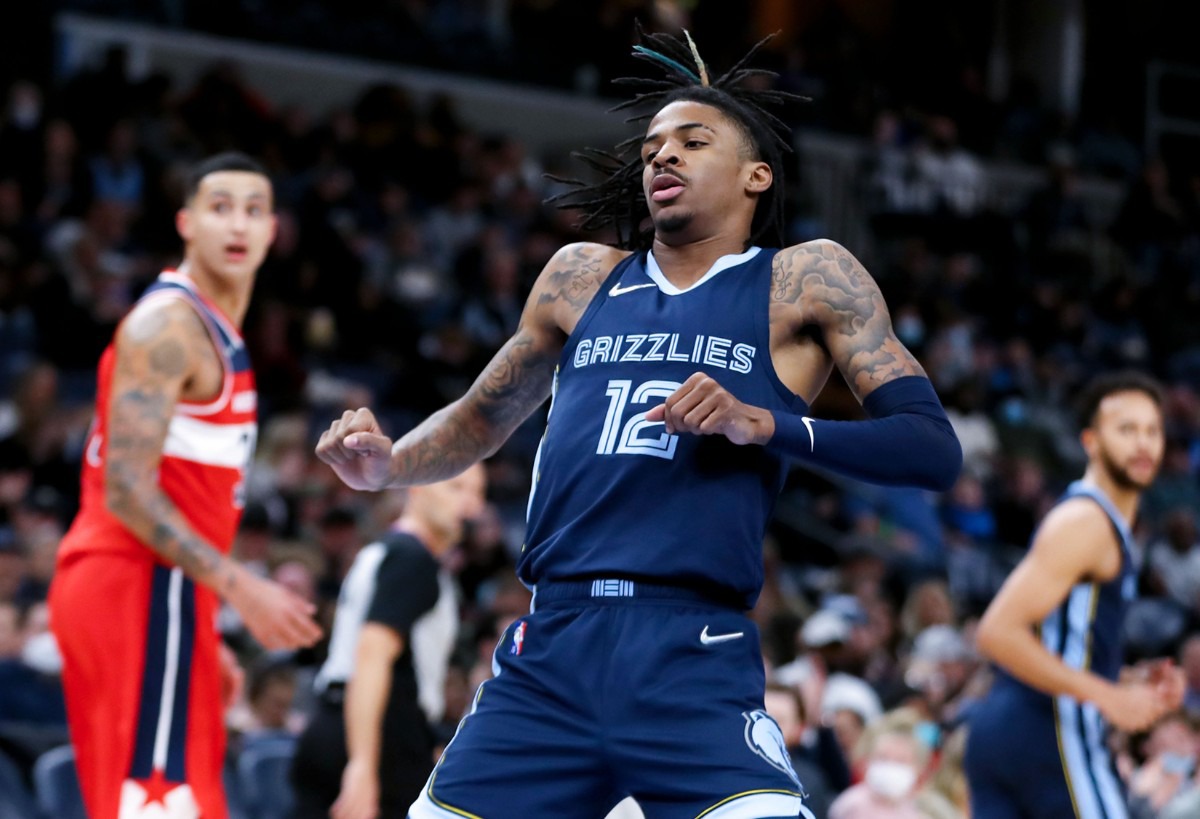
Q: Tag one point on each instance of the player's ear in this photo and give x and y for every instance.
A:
(759, 177)
(183, 223)
(1087, 439)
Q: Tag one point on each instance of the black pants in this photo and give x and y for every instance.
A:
(405, 761)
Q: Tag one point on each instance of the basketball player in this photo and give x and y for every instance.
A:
(369, 746)
(1037, 745)
(681, 366)
(140, 571)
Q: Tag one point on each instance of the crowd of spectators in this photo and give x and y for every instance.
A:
(407, 242)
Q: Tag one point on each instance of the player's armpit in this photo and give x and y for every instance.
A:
(836, 294)
(1075, 543)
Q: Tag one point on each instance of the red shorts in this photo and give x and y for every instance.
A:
(143, 686)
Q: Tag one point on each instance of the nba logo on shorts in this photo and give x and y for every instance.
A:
(518, 639)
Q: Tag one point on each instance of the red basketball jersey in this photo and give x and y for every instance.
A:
(206, 452)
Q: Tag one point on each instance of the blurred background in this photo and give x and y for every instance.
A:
(1022, 179)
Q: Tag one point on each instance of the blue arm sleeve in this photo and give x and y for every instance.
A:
(907, 441)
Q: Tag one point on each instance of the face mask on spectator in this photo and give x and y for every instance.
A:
(1181, 764)
(911, 330)
(891, 780)
(930, 734)
(41, 653)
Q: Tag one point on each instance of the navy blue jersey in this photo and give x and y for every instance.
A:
(1033, 755)
(1085, 631)
(613, 495)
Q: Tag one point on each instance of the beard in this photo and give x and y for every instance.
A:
(672, 224)
(1120, 475)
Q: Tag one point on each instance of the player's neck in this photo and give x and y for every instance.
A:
(684, 264)
(1124, 499)
(231, 299)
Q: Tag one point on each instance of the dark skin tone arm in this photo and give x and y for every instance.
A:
(163, 355)
(825, 311)
(821, 285)
(515, 382)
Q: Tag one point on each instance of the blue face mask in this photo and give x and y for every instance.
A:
(929, 734)
(1182, 764)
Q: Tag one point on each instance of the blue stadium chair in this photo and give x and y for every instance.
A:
(56, 784)
(16, 800)
(263, 778)
(233, 792)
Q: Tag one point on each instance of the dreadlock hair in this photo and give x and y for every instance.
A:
(618, 201)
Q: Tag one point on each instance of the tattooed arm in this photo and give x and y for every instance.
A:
(157, 348)
(836, 294)
(161, 349)
(515, 383)
(908, 439)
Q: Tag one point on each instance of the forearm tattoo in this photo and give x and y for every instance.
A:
(513, 385)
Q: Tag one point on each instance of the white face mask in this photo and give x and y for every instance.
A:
(891, 780)
(41, 653)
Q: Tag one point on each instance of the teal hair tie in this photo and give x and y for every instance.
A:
(667, 61)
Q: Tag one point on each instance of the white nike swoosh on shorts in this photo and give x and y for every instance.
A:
(712, 639)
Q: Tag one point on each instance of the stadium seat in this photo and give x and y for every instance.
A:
(56, 784)
(233, 792)
(263, 778)
(16, 799)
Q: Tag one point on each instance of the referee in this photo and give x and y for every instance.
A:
(369, 747)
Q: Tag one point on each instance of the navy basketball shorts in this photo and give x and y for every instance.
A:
(1031, 756)
(610, 689)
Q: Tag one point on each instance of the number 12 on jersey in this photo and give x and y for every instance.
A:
(626, 438)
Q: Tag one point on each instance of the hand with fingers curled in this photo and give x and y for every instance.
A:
(1134, 705)
(275, 616)
(701, 406)
(357, 450)
(1169, 680)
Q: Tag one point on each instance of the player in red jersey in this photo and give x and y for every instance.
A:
(142, 568)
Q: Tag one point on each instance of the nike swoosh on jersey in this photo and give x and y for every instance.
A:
(712, 639)
(618, 290)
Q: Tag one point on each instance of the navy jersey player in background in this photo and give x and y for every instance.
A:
(680, 365)
(1037, 745)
